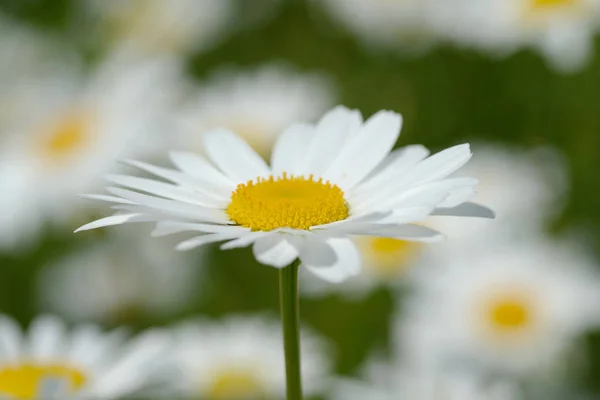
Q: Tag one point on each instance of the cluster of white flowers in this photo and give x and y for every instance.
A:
(234, 358)
(561, 30)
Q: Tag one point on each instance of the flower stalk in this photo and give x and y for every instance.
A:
(290, 319)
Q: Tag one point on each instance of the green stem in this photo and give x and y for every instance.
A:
(290, 312)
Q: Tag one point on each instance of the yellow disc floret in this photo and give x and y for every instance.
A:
(26, 381)
(286, 202)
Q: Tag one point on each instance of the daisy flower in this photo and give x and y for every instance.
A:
(75, 131)
(510, 307)
(394, 382)
(325, 182)
(51, 363)
(395, 24)
(155, 27)
(125, 275)
(236, 359)
(258, 105)
(561, 30)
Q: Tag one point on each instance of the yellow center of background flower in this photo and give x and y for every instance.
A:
(234, 384)
(286, 202)
(509, 315)
(66, 138)
(386, 256)
(552, 3)
(25, 381)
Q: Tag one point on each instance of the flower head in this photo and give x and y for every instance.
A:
(326, 182)
(52, 364)
(236, 359)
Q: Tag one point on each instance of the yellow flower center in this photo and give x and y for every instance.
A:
(552, 3)
(29, 381)
(286, 202)
(235, 384)
(509, 314)
(68, 136)
(385, 256)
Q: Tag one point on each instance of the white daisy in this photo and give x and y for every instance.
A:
(257, 105)
(397, 24)
(154, 27)
(51, 363)
(124, 275)
(512, 307)
(394, 382)
(562, 30)
(239, 359)
(75, 131)
(325, 182)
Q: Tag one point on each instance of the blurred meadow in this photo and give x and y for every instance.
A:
(502, 309)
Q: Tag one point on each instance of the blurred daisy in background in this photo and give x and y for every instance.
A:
(51, 363)
(538, 175)
(29, 58)
(512, 306)
(326, 182)
(119, 278)
(156, 27)
(257, 105)
(240, 358)
(75, 131)
(392, 381)
(393, 24)
(561, 30)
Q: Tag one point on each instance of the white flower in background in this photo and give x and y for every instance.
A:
(396, 24)
(562, 30)
(75, 131)
(240, 358)
(509, 306)
(29, 57)
(326, 182)
(395, 382)
(385, 262)
(538, 175)
(50, 363)
(124, 275)
(154, 27)
(258, 105)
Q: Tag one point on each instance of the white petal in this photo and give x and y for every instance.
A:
(198, 167)
(108, 221)
(466, 210)
(347, 264)
(171, 227)
(186, 210)
(205, 239)
(331, 134)
(127, 373)
(394, 165)
(315, 251)
(188, 181)
(234, 156)
(410, 232)
(166, 190)
(104, 197)
(10, 340)
(430, 194)
(290, 148)
(274, 250)
(365, 150)
(46, 336)
(441, 164)
(244, 241)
